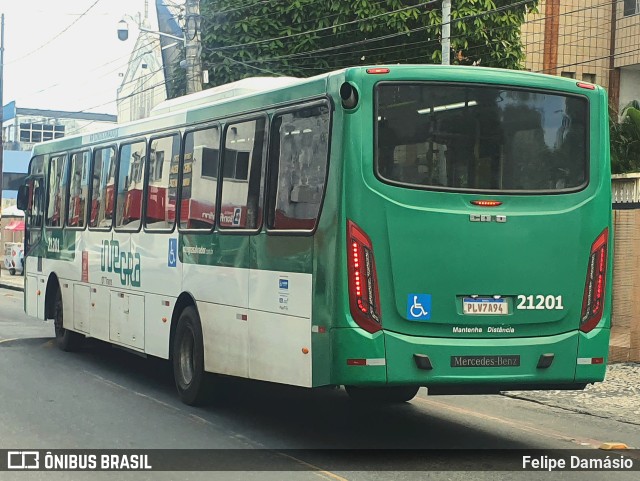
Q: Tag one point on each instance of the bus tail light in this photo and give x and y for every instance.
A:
(364, 298)
(594, 288)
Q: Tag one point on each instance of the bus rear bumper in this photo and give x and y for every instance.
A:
(462, 365)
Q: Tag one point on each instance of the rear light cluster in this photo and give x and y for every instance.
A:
(594, 288)
(364, 298)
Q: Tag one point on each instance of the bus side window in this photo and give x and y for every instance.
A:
(163, 168)
(102, 182)
(78, 189)
(242, 175)
(57, 182)
(298, 167)
(130, 186)
(199, 179)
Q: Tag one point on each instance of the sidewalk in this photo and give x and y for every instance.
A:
(618, 397)
(7, 281)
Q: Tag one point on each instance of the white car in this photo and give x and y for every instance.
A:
(14, 257)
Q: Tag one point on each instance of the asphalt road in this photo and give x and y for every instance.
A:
(105, 398)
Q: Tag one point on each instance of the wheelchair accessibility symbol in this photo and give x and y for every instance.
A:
(419, 307)
(173, 252)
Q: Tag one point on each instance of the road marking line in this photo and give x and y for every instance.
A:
(237, 436)
(12, 339)
(522, 426)
(316, 470)
(613, 446)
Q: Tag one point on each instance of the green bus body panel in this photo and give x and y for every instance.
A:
(214, 250)
(424, 243)
(56, 244)
(401, 369)
(590, 345)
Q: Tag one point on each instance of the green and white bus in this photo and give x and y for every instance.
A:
(378, 228)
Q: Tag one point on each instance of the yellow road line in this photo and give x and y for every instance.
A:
(319, 471)
(12, 339)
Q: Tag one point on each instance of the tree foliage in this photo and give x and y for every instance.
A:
(625, 140)
(307, 37)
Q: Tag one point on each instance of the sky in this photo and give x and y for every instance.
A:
(76, 70)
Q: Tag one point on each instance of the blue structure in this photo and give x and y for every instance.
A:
(15, 165)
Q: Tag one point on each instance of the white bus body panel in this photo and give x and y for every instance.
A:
(31, 292)
(222, 295)
(100, 313)
(81, 308)
(126, 325)
(280, 327)
(157, 324)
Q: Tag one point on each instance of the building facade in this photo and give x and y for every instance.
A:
(589, 40)
(153, 63)
(22, 128)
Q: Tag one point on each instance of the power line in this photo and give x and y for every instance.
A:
(82, 15)
(324, 29)
(375, 39)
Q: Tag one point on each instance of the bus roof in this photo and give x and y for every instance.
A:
(195, 108)
(231, 90)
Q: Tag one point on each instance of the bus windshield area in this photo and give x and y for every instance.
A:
(469, 137)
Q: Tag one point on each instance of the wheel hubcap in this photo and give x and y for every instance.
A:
(57, 321)
(186, 357)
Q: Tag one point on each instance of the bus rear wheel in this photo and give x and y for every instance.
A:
(188, 359)
(382, 395)
(66, 340)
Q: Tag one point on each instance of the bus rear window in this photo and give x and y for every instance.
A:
(480, 138)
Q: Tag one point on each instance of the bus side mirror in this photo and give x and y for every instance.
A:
(23, 197)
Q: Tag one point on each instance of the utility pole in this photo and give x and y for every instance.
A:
(446, 32)
(192, 46)
(551, 30)
(1, 105)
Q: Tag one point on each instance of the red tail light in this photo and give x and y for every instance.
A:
(594, 288)
(364, 299)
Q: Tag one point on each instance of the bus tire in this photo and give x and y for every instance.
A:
(66, 340)
(12, 271)
(188, 359)
(382, 395)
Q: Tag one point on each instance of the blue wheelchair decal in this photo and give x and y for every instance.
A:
(419, 307)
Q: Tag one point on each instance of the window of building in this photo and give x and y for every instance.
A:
(199, 179)
(243, 173)
(35, 132)
(78, 189)
(56, 191)
(631, 7)
(298, 158)
(130, 186)
(103, 188)
(164, 158)
(568, 74)
(589, 77)
(12, 180)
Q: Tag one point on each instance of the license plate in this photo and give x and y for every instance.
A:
(485, 361)
(483, 305)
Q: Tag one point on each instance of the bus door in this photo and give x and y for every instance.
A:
(281, 294)
(31, 199)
